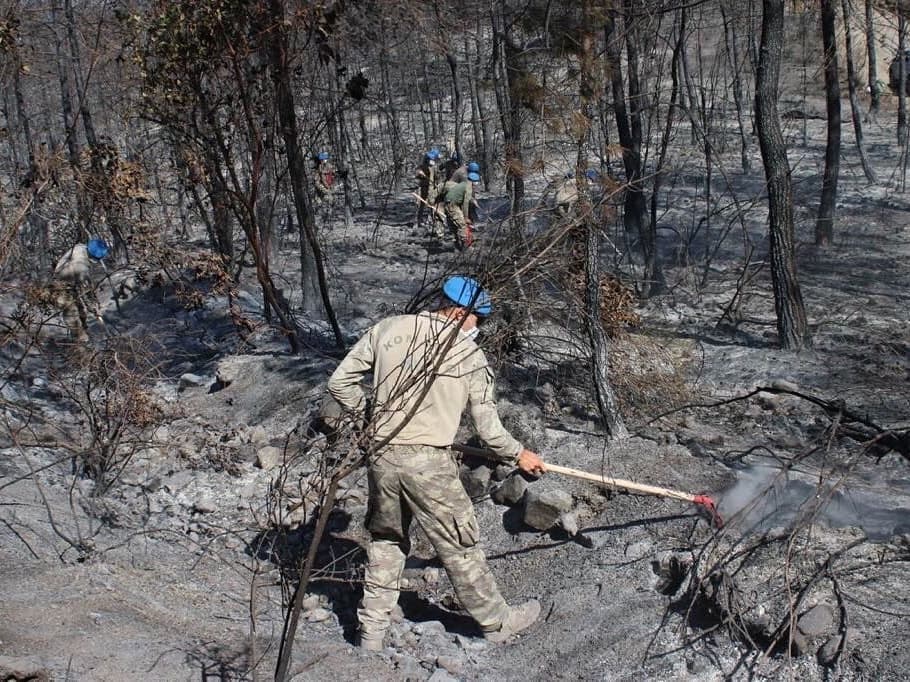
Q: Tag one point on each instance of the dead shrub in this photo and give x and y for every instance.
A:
(648, 376)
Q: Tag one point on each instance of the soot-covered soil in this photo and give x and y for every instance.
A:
(176, 571)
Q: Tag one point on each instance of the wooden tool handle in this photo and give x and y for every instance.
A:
(621, 483)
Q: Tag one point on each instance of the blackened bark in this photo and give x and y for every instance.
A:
(854, 99)
(296, 167)
(902, 92)
(875, 89)
(607, 404)
(634, 206)
(507, 60)
(788, 301)
(824, 225)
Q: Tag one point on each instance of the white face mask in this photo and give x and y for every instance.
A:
(471, 333)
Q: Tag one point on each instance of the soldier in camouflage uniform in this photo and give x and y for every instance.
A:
(458, 197)
(72, 286)
(429, 182)
(426, 369)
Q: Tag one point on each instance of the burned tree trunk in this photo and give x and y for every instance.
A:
(875, 90)
(635, 216)
(824, 225)
(788, 301)
(288, 121)
(607, 404)
(854, 100)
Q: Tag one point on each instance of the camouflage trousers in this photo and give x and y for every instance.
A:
(459, 226)
(70, 299)
(421, 482)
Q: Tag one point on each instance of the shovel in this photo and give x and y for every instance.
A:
(703, 501)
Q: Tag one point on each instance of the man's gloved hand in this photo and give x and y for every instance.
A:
(530, 462)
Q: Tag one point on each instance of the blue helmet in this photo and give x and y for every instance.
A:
(464, 291)
(97, 248)
(473, 167)
(569, 174)
(592, 174)
(473, 177)
(433, 154)
(323, 156)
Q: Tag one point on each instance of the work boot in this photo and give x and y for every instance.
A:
(371, 641)
(519, 618)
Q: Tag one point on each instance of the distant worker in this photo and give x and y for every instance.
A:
(566, 195)
(474, 167)
(454, 170)
(426, 370)
(567, 191)
(458, 198)
(325, 185)
(73, 284)
(430, 182)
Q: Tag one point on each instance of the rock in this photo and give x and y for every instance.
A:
(162, 434)
(204, 505)
(511, 491)
(268, 457)
(318, 615)
(22, 669)
(441, 675)
(452, 664)
(543, 508)
(569, 523)
(502, 472)
(784, 385)
(311, 602)
(429, 627)
(258, 434)
(817, 621)
(475, 481)
(835, 647)
(178, 481)
(190, 380)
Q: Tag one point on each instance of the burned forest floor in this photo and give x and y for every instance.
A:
(174, 558)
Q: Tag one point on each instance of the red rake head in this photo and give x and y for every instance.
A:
(709, 506)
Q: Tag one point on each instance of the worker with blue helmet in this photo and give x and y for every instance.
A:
(72, 285)
(429, 187)
(426, 371)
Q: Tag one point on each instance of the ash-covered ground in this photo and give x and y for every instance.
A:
(179, 569)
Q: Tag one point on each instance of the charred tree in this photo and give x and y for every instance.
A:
(607, 404)
(788, 301)
(875, 88)
(854, 99)
(635, 210)
(284, 97)
(824, 224)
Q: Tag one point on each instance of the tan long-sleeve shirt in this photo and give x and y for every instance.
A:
(405, 355)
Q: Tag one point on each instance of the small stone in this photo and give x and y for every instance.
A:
(318, 615)
(569, 523)
(441, 675)
(784, 385)
(429, 627)
(475, 481)
(502, 472)
(543, 508)
(311, 602)
(258, 434)
(268, 457)
(452, 664)
(190, 380)
(204, 505)
(819, 620)
(511, 491)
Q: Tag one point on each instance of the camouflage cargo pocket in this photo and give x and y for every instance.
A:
(466, 530)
